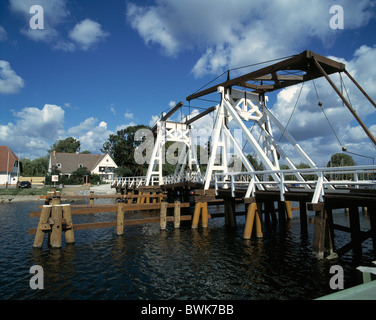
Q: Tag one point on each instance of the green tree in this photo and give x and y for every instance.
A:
(68, 145)
(256, 165)
(121, 146)
(341, 160)
(35, 168)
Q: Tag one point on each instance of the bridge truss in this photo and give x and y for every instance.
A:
(244, 102)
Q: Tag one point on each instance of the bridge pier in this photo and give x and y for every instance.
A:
(230, 218)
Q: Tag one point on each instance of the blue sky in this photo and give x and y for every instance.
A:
(98, 66)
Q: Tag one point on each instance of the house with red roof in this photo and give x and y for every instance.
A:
(10, 166)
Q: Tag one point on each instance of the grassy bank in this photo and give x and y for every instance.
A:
(25, 192)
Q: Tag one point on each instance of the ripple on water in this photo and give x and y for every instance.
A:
(147, 263)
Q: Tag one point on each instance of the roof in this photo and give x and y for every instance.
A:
(70, 161)
(4, 164)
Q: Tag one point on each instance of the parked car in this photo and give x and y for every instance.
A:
(24, 184)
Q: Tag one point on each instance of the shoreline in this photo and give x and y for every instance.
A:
(11, 198)
(66, 191)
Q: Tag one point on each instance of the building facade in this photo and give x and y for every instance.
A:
(100, 164)
(10, 166)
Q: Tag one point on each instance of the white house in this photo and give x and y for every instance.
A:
(66, 163)
(10, 166)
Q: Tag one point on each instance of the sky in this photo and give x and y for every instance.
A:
(95, 67)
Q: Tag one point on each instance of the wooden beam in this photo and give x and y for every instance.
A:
(353, 112)
(281, 77)
(169, 114)
(301, 62)
(113, 208)
(360, 88)
(129, 222)
(276, 80)
(199, 116)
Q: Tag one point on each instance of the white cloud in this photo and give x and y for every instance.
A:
(317, 131)
(10, 82)
(113, 110)
(55, 12)
(34, 130)
(84, 126)
(103, 125)
(3, 34)
(91, 135)
(240, 32)
(153, 27)
(84, 35)
(87, 34)
(154, 119)
(128, 115)
(125, 125)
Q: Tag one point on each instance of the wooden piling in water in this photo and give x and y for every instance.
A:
(120, 218)
(322, 237)
(201, 209)
(303, 217)
(252, 215)
(288, 206)
(230, 218)
(163, 216)
(56, 228)
(68, 228)
(196, 215)
(204, 215)
(177, 215)
(355, 229)
(42, 226)
(91, 201)
(372, 218)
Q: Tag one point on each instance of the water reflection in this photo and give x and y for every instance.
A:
(184, 263)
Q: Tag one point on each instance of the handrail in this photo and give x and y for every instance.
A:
(236, 179)
(141, 181)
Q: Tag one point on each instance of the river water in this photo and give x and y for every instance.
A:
(183, 264)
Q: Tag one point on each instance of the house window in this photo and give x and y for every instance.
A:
(58, 165)
(80, 165)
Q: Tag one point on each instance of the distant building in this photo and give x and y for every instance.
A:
(10, 166)
(66, 163)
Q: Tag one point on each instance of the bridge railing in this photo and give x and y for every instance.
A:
(130, 182)
(331, 177)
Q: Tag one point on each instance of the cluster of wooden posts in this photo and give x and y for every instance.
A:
(325, 226)
(56, 218)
